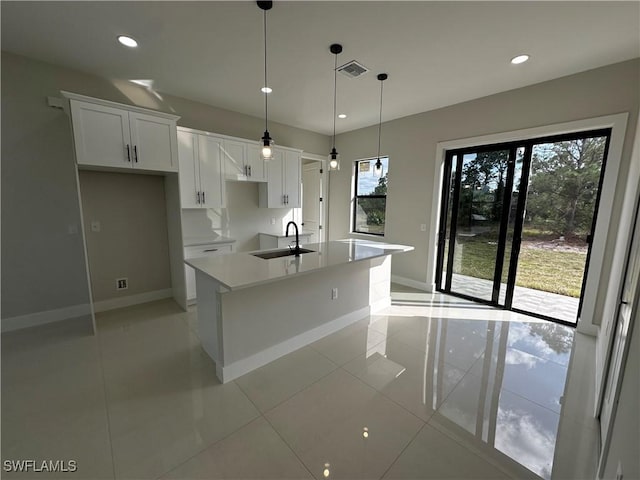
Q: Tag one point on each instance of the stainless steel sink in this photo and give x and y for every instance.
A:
(279, 253)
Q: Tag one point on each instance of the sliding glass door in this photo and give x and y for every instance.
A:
(516, 222)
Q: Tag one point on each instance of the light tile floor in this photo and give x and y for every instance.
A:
(434, 387)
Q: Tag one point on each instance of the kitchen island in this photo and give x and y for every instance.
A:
(252, 311)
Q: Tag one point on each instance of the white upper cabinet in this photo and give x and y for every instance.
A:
(202, 181)
(292, 177)
(108, 134)
(189, 169)
(282, 189)
(153, 142)
(212, 186)
(101, 135)
(242, 161)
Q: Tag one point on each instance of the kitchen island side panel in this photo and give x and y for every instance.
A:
(261, 317)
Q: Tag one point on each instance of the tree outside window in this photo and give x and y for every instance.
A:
(370, 200)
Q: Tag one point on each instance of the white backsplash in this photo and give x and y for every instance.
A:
(242, 220)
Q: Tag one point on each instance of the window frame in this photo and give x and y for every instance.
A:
(356, 165)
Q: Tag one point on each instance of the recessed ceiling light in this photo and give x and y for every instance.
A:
(266, 90)
(342, 115)
(128, 41)
(519, 59)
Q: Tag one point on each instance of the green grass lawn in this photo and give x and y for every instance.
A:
(540, 269)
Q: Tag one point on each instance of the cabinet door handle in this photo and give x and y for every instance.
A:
(210, 250)
(249, 170)
(245, 171)
(197, 197)
(135, 152)
(128, 153)
(203, 200)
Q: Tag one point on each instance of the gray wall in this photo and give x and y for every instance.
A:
(132, 241)
(42, 264)
(410, 142)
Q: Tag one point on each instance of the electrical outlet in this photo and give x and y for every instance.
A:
(122, 283)
(95, 226)
(423, 227)
(334, 294)
(273, 220)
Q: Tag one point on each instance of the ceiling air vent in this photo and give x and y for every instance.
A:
(353, 69)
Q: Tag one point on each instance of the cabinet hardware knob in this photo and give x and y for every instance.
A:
(128, 153)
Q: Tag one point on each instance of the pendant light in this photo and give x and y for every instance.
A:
(266, 140)
(334, 156)
(377, 168)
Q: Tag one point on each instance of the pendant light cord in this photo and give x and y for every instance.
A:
(335, 94)
(380, 122)
(266, 108)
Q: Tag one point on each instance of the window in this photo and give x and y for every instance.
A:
(370, 200)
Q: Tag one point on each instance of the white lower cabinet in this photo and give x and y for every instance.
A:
(209, 250)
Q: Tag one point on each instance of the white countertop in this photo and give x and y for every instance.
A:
(206, 240)
(291, 235)
(241, 270)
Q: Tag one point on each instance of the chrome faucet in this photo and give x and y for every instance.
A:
(297, 249)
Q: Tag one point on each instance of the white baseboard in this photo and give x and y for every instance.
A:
(238, 368)
(113, 303)
(41, 318)
(407, 282)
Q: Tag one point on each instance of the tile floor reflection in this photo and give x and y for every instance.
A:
(433, 387)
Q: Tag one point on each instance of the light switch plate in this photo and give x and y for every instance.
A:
(423, 227)
(95, 226)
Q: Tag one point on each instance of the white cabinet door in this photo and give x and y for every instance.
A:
(282, 189)
(153, 142)
(292, 180)
(257, 166)
(235, 158)
(189, 171)
(272, 194)
(101, 135)
(212, 181)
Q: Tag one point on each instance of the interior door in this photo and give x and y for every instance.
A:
(311, 204)
(629, 302)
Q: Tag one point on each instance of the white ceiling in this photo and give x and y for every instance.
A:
(436, 53)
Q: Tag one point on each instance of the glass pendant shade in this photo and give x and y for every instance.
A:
(267, 147)
(334, 160)
(378, 169)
